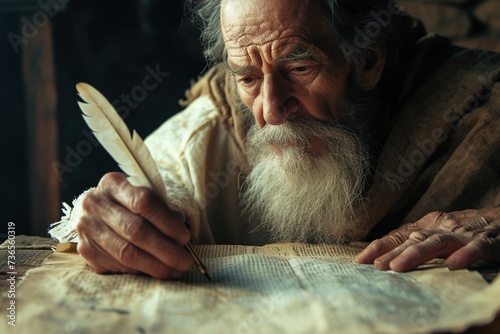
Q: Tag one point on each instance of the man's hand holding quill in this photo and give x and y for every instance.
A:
(129, 229)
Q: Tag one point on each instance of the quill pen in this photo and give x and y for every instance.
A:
(129, 151)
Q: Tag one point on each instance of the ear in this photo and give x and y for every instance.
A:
(372, 67)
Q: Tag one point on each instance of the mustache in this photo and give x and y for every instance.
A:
(301, 132)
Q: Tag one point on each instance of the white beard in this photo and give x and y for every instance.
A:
(306, 193)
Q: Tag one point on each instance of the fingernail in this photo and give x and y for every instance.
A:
(359, 256)
(452, 265)
(398, 264)
(381, 264)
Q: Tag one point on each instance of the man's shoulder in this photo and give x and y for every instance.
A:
(441, 76)
(434, 60)
(480, 63)
(200, 115)
(217, 86)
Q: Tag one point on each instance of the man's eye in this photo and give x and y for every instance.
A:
(301, 69)
(303, 73)
(247, 81)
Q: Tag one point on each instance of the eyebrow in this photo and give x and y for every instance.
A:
(297, 54)
(239, 70)
(301, 54)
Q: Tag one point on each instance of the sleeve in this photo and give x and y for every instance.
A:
(180, 147)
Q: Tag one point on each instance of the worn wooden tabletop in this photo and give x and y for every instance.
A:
(20, 255)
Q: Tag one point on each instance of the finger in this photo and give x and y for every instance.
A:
(139, 232)
(148, 205)
(119, 255)
(147, 238)
(99, 259)
(382, 246)
(383, 262)
(478, 249)
(426, 248)
(374, 250)
(132, 257)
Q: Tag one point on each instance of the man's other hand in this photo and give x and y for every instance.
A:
(127, 229)
(461, 237)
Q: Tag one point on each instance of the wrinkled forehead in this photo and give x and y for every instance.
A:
(257, 22)
(264, 14)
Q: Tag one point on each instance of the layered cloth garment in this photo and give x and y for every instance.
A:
(440, 148)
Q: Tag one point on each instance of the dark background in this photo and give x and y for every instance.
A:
(109, 44)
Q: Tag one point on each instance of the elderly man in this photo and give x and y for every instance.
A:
(320, 121)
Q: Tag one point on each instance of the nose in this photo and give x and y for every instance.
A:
(278, 103)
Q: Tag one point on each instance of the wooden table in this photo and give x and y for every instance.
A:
(30, 252)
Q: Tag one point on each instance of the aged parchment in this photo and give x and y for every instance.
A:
(283, 288)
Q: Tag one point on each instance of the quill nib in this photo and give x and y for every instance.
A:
(201, 267)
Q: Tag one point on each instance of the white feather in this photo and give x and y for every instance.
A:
(130, 152)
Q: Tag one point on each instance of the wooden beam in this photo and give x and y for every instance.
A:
(41, 100)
